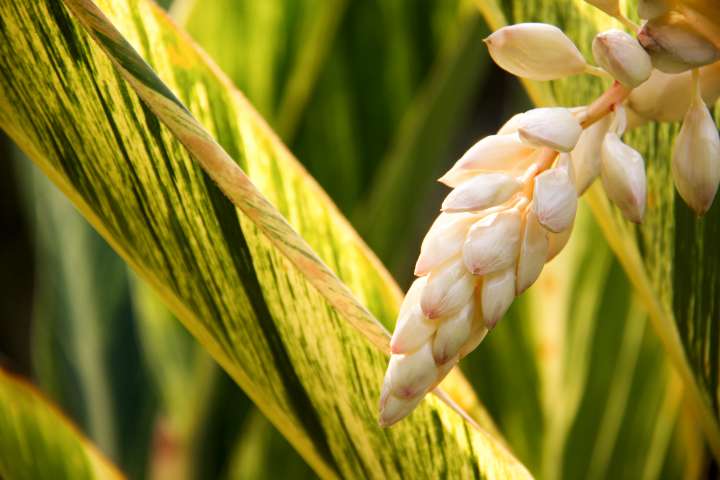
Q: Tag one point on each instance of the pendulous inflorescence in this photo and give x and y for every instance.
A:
(514, 194)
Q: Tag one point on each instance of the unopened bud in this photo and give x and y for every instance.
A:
(413, 328)
(411, 374)
(452, 334)
(610, 7)
(492, 243)
(481, 192)
(555, 128)
(533, 252)
(443, 241)
(498, 292)
(696, 158)
(622, 56)
(623, 177)
(447, 290)
(393, 409)
(586, 154)
(555, 200)
(537, 51)
(674, 46)
(556, 242)
(666, 97)
(478, 333)
(494, 152)
(564, 163)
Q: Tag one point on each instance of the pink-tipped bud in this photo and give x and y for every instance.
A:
(412, 374)
(413, 328)
(492, 243)
(533, 252)
(537, 51)
(448, 289)
(481, 192)
(494, 153)
(666, 97)
(443, 241)
(556, 242)
(623, 177)
(555, 128)
(586, 154)
(622, 56)
(477, 335)
(696, 158)
(498, 292)
(394, 409)
(555, 199)
(675, 46)
(452, 334)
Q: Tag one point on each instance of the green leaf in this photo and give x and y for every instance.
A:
(84, 343)
(668, 259)
(37, 442)
(183, 214)
(259, 454)
(387, 217)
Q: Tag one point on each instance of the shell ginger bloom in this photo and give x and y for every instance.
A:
(489, 244)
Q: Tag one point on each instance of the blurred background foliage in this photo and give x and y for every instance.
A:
(376, 98)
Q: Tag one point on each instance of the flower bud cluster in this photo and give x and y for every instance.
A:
(514, 194)
(511, 209)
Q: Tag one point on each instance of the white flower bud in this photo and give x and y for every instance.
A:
(537, 51)
(443, 241)
(564, 163)
(492, 243)
(666, 97)
(477, 335)
(696, 158)
(481, 192)
(444, 369)
(649, 9)
(494, 152)
(623, 177)
(393, 409)
(410, 375)
(447, 290)
(610, 7)
(533, 252)
(512, 125)
(674, 46)
(556, 242)
(555, 200)
(586, 154)
(622, 56)
(452, 334)
(413, 328)
(498, 292)
(555, 128)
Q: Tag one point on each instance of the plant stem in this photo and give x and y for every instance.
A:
(605, 104)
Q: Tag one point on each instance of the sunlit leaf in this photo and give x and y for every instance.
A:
(181, 211)
(36, 441)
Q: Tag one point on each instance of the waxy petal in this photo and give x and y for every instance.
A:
(492, 243)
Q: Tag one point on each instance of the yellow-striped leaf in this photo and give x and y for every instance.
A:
(36, 441)
(76, 97)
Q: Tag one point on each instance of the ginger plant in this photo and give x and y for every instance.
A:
(515, 193)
